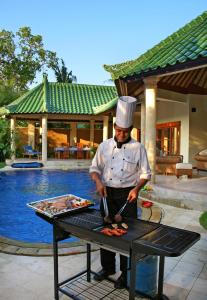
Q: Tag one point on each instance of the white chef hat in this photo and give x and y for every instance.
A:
(126, 107)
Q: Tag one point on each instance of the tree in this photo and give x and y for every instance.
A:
(22, 55)
(62, 74)
(8, 94)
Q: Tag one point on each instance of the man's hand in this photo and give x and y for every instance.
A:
(133, 194)
(101, 189)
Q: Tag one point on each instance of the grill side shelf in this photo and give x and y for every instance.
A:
(167, 241)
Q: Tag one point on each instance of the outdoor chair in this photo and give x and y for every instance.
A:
(80, 153)
(201, 160)
(28, 151)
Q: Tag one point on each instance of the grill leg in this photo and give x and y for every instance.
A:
(132, 276)
(55, 257)
(88, 262)
(160, 295)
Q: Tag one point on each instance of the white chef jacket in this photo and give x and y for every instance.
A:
(122, 167)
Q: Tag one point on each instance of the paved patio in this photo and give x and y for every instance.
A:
(31, 277)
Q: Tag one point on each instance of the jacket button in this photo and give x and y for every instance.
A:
(123, 158)
(111, 168)
(121, 169)
(110, 178)
(113, 157)
(120, 180)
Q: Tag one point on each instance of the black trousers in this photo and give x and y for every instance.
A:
(116, 198)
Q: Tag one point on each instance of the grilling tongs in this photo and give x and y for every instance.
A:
(122, 208)
(106, 211)
(105, 205)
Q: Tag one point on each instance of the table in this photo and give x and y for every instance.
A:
(66, 152)
(59, 152)
(143, 237)
(83, 152)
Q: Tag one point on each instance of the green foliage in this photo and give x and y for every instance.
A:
(7, 94)
(62, 74)
(93, 151)
(21, 123)
(203, 220)
(2, 165)
(5, 140)
(22, 55)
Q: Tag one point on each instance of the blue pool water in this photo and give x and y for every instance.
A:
(17, 188)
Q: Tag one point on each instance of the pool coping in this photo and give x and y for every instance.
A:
(10, 246)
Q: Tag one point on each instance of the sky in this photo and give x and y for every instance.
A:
(90, 33)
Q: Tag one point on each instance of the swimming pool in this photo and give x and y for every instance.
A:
(17, 188)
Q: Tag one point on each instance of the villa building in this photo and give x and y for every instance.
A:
(169, 82)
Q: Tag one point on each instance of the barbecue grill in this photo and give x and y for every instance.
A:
(142, 237)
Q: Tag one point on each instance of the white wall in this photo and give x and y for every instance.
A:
(197, 124)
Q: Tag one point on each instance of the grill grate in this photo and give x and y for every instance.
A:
(94, 290)
(89, 220)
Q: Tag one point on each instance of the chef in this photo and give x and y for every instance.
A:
(119, 169)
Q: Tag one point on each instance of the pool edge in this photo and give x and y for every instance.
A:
(9, 246)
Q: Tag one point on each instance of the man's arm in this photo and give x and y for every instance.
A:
(145, 175)
(101, 189)
(133, 194)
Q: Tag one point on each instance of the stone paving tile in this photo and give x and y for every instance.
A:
(175, 292)
(190, 268)
(200, 286)
(10, 249)
(27, 251)
(194, 257)
(195, 296)
(19, 294)
(203, 273)
(44, 252)
(181, 280)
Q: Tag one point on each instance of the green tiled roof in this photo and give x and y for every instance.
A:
(187, 44)
(65, 98)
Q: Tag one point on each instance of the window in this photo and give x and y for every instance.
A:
(168, 138)
(62, 125)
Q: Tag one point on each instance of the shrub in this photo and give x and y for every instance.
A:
(5, 140)
(203, 220)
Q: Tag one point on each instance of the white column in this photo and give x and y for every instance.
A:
(150, 129)
(113, 132)
(92, 133)
(143, 121)
(134, 133)
(73, 133)
(105, 127)
(31, 134)
(13, 146)
(44, 138)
